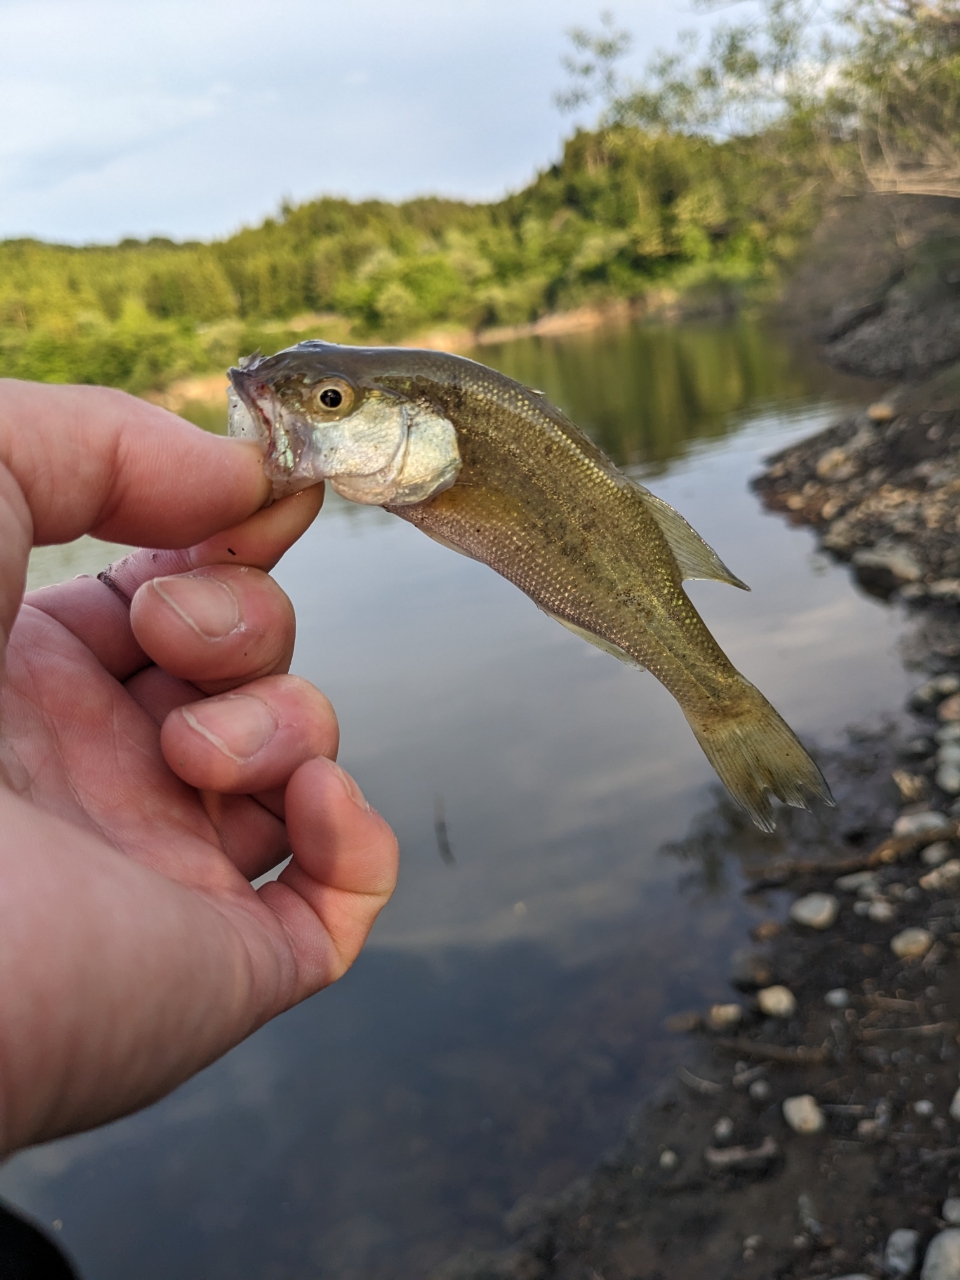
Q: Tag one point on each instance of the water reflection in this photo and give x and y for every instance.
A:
(507, 1014)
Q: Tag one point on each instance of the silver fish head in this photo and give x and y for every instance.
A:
(320, 414)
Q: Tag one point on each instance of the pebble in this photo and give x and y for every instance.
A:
(838, 998)
(935, 854)
(881, 412)
(942, 1261)
(946, 876)
(760, 1091)
(934, 689)
(949, 710)
(949, 752)
(803, 1114)
(911, 944)
(881, 912)
(835, 465)
(918, 748)
(955, 1106)
(889, 558)
(917, 824)
(948, 779)
(777, 1002)
(816, 910)
(950, 1210)
(923, 1107)
(724, 1016)
(948, 733)
(855, 881)
(669, 1159)
(723, 1130)
(900, 1255)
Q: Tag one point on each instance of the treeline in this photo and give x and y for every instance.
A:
(624, 212)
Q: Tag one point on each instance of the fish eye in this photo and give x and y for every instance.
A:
(334, 395)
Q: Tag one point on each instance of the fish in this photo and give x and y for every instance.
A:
(488, 467)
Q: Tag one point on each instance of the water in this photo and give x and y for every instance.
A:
(506, 1016)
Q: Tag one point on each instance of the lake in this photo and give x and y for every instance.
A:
(506, 1018)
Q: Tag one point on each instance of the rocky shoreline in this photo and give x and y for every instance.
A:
(815, 1130)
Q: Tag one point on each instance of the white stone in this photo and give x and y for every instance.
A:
(900, 1255)
(890, 557)
(955, 1106)
(917, 824)
(923, 1107)
(950, 1210)
(838, 998)
(777, 1002)
(803, 1114)
(936, 854)
(949, 752)
(760, 1090)
(855, 880)
(946, 876)
(723, 1129)
(911, 944)
(942, 1261)
(816, 910)
(948, 733)
(669, 1159)
(881, 912)
(948, 779)
(724, 1016)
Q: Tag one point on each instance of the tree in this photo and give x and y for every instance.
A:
(874, 85)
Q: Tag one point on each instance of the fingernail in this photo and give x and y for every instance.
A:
(237, 725)
(205, 604)
(351, 788)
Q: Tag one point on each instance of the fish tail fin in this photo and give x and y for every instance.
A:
(754, 751)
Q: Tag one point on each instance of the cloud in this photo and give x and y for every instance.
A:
(189, 117)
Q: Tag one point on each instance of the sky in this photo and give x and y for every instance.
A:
(190, 118)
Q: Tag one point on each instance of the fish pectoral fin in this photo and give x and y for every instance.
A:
(695, 559)
(597, 641)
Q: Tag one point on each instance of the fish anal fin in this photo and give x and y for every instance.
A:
(597, 641)
(695, 559)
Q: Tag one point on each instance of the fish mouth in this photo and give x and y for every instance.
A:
(256, 397)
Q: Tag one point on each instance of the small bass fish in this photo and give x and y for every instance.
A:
(489, 468)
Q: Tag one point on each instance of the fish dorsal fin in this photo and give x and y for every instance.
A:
(695, 559)
(597, 641)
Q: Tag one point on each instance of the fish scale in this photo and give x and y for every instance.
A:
(519, 487)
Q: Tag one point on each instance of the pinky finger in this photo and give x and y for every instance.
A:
(342, 873)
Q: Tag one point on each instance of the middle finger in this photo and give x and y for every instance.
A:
(217, 627)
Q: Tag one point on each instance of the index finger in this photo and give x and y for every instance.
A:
(79, 460)
(95, 460)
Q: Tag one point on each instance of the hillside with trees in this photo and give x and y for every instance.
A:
(702, 184)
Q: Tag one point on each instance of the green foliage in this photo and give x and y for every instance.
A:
(624, 212)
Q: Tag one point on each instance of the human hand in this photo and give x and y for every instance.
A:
(155, 758)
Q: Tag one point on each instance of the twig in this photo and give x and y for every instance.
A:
(798, 1056)
(931, 1029)
(708, 1087)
